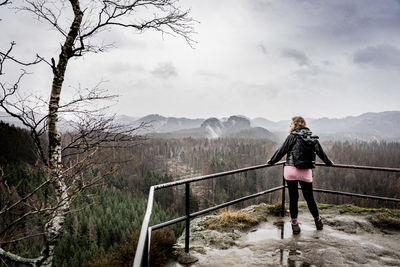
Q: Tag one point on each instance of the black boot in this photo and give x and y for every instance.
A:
(319, 224)
(296, 229)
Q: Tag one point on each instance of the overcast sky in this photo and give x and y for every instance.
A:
(257, 58)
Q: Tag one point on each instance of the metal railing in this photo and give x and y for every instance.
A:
(143, 246)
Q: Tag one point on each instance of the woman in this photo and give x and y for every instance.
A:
(303, 172)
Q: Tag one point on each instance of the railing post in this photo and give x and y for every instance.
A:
(148, 245)
(283, 197)
(187, 205)
(145, 259)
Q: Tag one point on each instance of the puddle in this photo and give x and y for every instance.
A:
(371, 243)
(279, 230)
(266, 231)
(284, 257)
(344, 236)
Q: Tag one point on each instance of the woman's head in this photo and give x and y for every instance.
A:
(297, 122)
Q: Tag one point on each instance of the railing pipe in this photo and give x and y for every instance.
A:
(283, 197)
(217, 207)
(168, 223)
(344, 166)
(229, 203)
(146, 256)
(187, 205)
(144, 231)
(148, 246)
(355, 195)
(214, 175)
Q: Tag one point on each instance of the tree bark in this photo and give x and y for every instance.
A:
(53, 228)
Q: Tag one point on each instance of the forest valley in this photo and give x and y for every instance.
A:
(102, 227)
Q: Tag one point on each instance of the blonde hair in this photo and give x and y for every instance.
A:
(297, 122)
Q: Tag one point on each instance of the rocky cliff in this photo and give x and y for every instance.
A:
(351, 237)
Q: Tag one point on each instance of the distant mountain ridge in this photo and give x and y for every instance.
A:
(234, 126)
(365, 127)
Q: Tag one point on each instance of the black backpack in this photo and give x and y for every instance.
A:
(304, 151)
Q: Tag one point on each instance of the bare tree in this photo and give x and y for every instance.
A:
(88, 133)
(4, 2)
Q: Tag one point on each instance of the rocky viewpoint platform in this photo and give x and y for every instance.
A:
(351, 237)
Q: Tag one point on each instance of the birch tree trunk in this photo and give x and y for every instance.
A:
(53, 228)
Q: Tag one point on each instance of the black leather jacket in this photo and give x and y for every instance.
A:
(287, 148)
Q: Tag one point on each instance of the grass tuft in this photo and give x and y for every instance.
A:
(230, 219)
(275, 209)
(388, 218)
(323, 206)
(385, 218)
(354, 209)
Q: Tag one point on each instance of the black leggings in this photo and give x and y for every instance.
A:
(307, 194)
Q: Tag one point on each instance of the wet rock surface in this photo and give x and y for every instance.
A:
(346, 240)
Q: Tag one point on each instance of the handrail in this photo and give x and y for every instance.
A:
(357, 167)
(143, 232)
(143, 246)
(215, 175)
(220, 206)
(141, 255)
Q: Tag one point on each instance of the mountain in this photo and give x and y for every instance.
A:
(270, 125)
(366, 127)
(11, 120)
(234, 126)
(162, 124)
(64, 124)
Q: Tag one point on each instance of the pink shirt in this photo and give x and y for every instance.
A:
(291, 173)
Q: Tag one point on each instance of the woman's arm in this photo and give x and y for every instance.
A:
(283, 150)
(321, 154)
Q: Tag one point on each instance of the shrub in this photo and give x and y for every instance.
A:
(161, 250)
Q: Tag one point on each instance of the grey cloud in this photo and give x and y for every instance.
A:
(358, 21)
(334, 22)
(256, 90)
(262, 48)
(165, 70)
(297, 55)
(261, 4)
(209, 74)
(122, 67)
(314, 71)
(381, 56)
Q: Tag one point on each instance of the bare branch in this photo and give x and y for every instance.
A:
(25, 236)
(22, 111)
(15, 258)
(6, 55)
(39, 9)
(5, 2)
(167, 18)
(6, 209)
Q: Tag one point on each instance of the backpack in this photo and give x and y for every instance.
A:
(304, 151)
